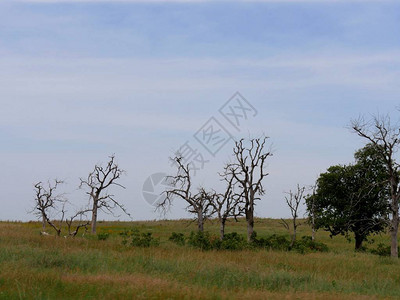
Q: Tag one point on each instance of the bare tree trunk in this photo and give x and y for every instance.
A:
(222, 229)
(313, 220)
(44, 222)
(58, 230)
(394, 228)
(294, 231)
(393, 233)
(293, 237)
(94, 217)
(200, 220)
(250, 225)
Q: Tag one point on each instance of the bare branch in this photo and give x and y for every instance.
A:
(47, 202)
(97, 183)
(293, 201)
(248, 171)
(181, 186)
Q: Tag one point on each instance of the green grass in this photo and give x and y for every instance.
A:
(46, 267)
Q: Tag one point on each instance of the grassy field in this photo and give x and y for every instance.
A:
(46, 267)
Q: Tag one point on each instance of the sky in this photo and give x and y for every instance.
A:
(81, 80)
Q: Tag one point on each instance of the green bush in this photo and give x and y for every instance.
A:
(200, 240)
(103, 236)
(125, 236)
(273, 242)
(205, 241)
(382, 250)
(306, 244)
(177, 238)
(136, 238)
(235, 241)
(282, 243)
(232, 241)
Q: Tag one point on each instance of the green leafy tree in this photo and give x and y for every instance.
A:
(353, 198)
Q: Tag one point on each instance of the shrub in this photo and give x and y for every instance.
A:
(200, 240)
(282, 243)
(144, 239)
(125, 236)
(139, 239)
(177, 238)
(103, 236)
(306, 244)
(205, 241)
(232, 241)
(382, 250)
(273, 242)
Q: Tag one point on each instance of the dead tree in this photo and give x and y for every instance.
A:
(181, 187)
(80, 220)
(293, 200)
(200, 205)
(97, 183)
(227, 205)
(248, 170)
(47, 204)
(386, 138)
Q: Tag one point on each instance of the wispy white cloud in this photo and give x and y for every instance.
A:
(69, 98)
(120, 78)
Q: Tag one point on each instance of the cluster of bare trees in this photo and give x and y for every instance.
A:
(51, 206)
(243, 179)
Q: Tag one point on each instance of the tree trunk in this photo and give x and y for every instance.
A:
(313, 221)
(250, 225)
(200, 220)
(393, 233)
(293, 236)
(294, 232)
(359, 241)
(222, 229)
(94, 217)
(44, 222)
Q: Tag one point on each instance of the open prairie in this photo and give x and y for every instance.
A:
(46, 267)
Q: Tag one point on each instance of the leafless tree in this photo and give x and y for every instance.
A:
(47, 203)
(293, 200)
(181, 187)
(78, 221)
(227, 205)
(97, 183)
(386, 137)
(201, 206)
(248, 170)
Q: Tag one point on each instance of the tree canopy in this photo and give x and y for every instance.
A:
(353, 198)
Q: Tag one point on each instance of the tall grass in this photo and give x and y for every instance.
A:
(39, 267)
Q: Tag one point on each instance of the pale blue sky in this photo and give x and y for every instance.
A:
(81, 80)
